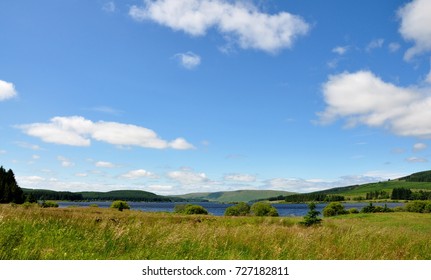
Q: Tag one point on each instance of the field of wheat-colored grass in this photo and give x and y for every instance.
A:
(96, 233)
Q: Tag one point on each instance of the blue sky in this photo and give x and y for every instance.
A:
(175, 96)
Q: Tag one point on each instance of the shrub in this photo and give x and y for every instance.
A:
(399, 209)
(334, 209)
(263, 209)
(120, 205)
(312, 216)
(240, 209)
(353, 211)
(368, 209)
(48, 204)
(418, 206)
(93, 205)
(190, 209)
(28, 205)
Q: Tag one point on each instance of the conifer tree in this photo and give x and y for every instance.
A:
(9, 189)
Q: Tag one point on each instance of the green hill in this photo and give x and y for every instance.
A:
(424, 176)
(420, 181)
(235, 196)
(129, 195)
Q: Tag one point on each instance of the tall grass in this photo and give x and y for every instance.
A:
(95, 233)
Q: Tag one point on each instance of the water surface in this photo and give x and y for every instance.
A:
(217, 209)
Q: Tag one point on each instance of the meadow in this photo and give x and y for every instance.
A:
(35, 233)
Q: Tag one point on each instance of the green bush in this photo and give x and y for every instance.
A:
(353, 211)
(369, 209)
(263, 209)
(49, 204)
(240, 209)
(418, 206)
(334, 209)
(399, 209)
(120, 205)
(190, 209)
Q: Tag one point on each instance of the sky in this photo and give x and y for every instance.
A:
(181, 96)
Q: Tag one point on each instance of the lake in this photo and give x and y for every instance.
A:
(217, 209)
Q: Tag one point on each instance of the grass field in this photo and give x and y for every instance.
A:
(95, 233)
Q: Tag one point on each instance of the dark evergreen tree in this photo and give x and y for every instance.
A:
(9, 189)
(312, 216)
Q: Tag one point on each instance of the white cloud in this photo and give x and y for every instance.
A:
(109, 7)
(240, 178)
(81, 174)
(241, 22)
(2, 152)
(419, 147)
(188, 177)
(375, 44)
(393, 47)
(65, 162)
(106, 109)
(363, 98)
(340, 50)
(416, 159)
(7, 90)
(139, 173)
(310, 185)
(28, 146)
(188, 60)
(428, 77)
(78, 131)
(180, 144)
(104, 164)
(416, 26)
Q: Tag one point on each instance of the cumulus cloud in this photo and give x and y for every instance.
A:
(139, 173)
(78, 131)
(419, 147)
(416, 26)
(7, 90)
(340, 50)
(363, 98)
(393, 47)
(65, 162)
(242, 22)
(104, 164)
(240, 178)
(375, 44)
(416, 159)
(310, 185)
(188, 177)
(188, 60)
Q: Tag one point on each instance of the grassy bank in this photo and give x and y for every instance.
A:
(94, 233)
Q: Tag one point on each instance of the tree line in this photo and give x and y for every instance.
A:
(407, 194)
(318, 197)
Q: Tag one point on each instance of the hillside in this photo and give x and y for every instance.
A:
(415, 182)
(129, 195)
(235, 196)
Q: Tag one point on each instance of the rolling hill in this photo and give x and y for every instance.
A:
(416, 182)
(129, 195)
(234, 196)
